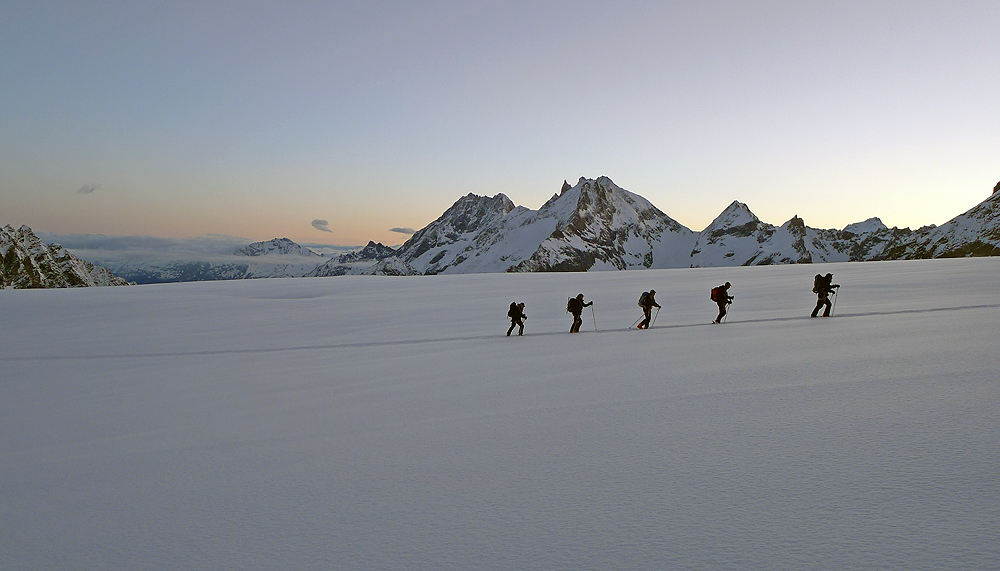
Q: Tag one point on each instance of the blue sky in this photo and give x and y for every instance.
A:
(254, 119)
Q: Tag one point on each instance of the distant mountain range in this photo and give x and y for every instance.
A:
(596, 225)
(592, 225)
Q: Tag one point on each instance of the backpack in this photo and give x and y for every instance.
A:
(574, 305)
(512, 312)
(816, 281)
(715, 293)
(644, 299)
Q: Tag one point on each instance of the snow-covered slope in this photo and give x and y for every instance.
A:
(373, 423)
(30, 263)
(973, 233)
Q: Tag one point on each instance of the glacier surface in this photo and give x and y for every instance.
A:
(366, 422)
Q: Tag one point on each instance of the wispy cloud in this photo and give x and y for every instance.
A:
(321, 225)
(88, 188)
(403, 230)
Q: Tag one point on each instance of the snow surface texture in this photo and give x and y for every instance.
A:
(386, 423)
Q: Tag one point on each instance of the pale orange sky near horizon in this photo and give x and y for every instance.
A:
(185, 119)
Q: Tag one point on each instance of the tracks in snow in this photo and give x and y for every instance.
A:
(402, 342)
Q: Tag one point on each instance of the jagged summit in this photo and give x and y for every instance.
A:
(467, 215)
(736, 216)
(30, 263)
(373, 251)
(599, 224)
(356, 262)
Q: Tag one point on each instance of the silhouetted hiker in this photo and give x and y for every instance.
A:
(575, 306)
(517, 317)
(647, 301)
(823, 287)
(720, 295)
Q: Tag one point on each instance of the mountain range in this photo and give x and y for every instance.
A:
(597, 225)
(592, 225)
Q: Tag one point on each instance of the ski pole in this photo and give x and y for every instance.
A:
(636, 322)
(726, 316)
(654, 317)
(594, 314)
(835, 294)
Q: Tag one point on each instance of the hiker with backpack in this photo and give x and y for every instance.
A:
(517, 317)
(647, 301)
(575, 306)
(720, 295)
(823, 286)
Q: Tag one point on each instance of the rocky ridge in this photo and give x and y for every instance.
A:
(30, 263)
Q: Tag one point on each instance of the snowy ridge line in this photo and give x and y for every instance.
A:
(464, 338)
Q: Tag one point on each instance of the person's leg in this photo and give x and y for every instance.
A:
(722, 313)
(513, 322)
(819, 304)
(826, 313)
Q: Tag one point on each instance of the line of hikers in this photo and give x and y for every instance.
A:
(823, 286)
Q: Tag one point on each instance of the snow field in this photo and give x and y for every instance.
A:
(386, 423)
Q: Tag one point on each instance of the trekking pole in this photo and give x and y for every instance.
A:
(835, 294)
(594, 314)
(654, 317)
(636, 322)
(726, 316)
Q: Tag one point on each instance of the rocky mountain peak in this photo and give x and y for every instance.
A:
(471, 211)
(373, 251)
(30, 263)
(463, 221)
(735, 219)
(795, 222)
(870, 226)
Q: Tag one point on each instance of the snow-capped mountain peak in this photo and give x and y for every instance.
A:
(870, 226)
(279, 246)
(736, 217)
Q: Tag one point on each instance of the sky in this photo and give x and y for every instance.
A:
(343, 122)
